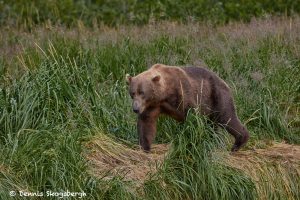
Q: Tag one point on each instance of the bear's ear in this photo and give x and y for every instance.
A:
(156, 78)
(128, 79)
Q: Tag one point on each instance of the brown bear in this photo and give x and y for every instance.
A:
(173, 91)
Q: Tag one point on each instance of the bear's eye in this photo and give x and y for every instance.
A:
(141, 93)
(132, 94)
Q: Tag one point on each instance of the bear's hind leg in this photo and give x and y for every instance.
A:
(240, 133)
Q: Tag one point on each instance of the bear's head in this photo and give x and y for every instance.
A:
(145, 89)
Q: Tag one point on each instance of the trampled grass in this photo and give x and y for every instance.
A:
(61, 88)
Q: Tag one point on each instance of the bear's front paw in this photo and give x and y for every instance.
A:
(146, 149)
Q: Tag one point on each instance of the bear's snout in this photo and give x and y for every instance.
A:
(136, 107)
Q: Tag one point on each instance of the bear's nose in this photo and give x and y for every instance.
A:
(136, 106)
(135, 110)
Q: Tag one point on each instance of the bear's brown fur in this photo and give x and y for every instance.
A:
(173, 91)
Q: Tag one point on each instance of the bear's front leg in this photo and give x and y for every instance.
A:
(146, 127)
(175, 113)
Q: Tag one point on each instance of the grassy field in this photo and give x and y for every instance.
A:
(64, 105)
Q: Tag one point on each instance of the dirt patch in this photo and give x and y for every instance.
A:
(253, 162)
(278, 153)
(132, 164)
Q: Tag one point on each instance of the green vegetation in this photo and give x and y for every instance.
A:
(62, 88)
(23, 13)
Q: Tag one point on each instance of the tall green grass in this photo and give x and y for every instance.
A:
(191, 172)
(59, 92)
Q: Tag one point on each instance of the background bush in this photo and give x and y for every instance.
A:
(116, 12)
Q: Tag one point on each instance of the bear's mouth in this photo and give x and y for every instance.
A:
(139, 110)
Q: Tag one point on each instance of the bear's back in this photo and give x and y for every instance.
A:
(198, 73)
